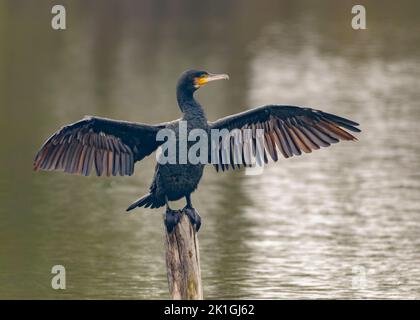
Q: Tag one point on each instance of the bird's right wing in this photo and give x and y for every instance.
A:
(111, 146)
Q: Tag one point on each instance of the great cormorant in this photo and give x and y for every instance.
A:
(113, 147)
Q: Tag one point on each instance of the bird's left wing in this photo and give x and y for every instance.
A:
(111, 146)
(288, 129)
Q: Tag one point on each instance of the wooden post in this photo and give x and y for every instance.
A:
(183, 261)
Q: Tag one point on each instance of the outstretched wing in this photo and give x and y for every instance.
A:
(289, 129)
(111, 146)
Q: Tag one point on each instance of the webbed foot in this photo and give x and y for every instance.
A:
(194, 217)
(172, 217)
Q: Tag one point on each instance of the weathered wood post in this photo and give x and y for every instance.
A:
(183, 261)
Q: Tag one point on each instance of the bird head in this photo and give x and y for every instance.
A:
(191, 80)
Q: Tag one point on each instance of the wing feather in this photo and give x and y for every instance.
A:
(287, 130)
(111, 146)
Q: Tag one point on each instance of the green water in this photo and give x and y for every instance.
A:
(306, 228)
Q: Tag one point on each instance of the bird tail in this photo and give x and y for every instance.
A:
(146, 201)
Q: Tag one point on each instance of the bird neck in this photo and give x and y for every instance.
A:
(189, 106)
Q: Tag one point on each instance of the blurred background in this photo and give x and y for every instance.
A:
(342, 222)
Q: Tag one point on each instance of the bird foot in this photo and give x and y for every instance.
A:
(172, 217)
(194, 217)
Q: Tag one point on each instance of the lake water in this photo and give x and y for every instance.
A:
(343, 222)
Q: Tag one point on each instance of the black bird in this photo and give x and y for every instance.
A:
(112, 147)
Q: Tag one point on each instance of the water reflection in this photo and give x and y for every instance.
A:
(297, 231)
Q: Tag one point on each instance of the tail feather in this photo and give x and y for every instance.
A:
(145, 201)
(148, 201)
